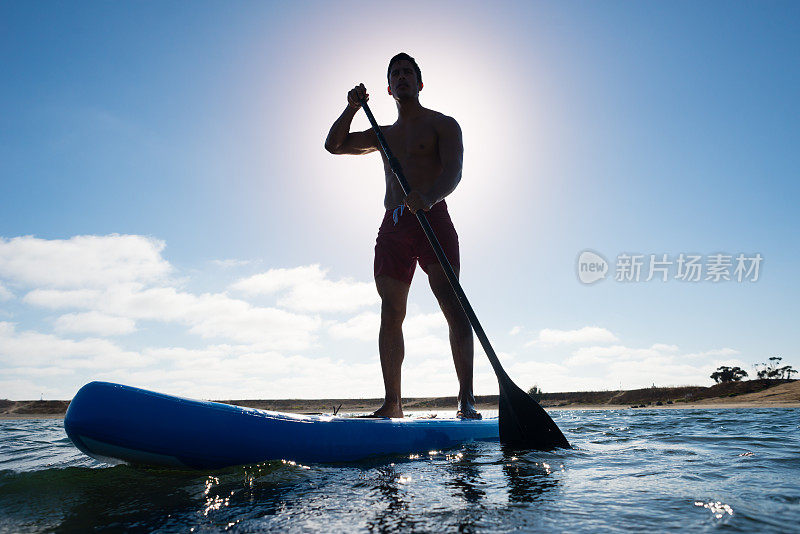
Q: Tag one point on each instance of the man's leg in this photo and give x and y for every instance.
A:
(394, 296)
(461, 342)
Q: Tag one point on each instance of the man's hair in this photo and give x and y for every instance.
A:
(403, 56)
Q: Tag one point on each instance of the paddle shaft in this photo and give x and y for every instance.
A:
(437, 249)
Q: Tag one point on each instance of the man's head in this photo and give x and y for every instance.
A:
(404, 76)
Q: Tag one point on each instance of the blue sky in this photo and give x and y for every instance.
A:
(170, 219)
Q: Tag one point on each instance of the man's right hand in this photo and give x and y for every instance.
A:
(359, 91)
(340, 139)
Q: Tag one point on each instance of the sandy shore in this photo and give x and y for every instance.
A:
(748, 394)
(681, 406)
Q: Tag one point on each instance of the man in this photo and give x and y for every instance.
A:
(429, 148)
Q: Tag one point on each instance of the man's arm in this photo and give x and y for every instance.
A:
(340, 140)
(451, 154)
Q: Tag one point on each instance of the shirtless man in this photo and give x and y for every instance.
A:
(429, 148)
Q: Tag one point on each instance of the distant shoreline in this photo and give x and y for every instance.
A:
(682, 406)
(748, 394)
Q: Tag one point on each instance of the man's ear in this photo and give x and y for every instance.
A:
(389, 88)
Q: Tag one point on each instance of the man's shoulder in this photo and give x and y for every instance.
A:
(441, 118)
(443, 122)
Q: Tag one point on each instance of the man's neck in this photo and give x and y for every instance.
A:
(408, 108)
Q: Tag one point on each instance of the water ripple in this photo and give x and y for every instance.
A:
(661, 470)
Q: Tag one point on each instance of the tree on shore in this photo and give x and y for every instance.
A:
(536, 393)
(772, 369)
(728, 374)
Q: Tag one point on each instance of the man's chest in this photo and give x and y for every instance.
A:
(415, 141)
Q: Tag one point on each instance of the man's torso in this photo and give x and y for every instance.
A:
(415, 143)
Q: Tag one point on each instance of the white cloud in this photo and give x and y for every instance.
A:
(112, 285)
(593, 355)
(30, 348)
(582, 336)
(64, 298)
(428, 346)
(24, 389)
(527, 373)
(239, 372)
(665, 371)
(266, 326)
(363, 327)
(422, 324)
(307, 289)
(660, 364)
(5, 294)
(39, 371)
(210, 315)
(82, 261)
(431, 376)
(104, 298)
(423, 329)
(664, 347)
(117, 280)
(94, 323)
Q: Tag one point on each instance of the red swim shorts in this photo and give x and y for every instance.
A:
(402, 243)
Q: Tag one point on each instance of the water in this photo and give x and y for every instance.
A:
(631, 470)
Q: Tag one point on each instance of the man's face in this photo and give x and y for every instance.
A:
(403, 80)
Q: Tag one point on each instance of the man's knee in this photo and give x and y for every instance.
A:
(451, 307)
(394, 295)
(393, 311)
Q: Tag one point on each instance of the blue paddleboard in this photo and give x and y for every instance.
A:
(116, 423)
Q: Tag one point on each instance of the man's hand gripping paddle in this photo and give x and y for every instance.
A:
(523, 423)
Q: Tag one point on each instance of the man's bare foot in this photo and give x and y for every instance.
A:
(389, 410)
(466, 408)
(468, 414)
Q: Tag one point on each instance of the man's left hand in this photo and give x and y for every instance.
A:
(417, 201)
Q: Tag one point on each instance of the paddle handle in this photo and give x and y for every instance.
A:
(437, 249)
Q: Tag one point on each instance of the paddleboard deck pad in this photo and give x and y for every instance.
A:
(115, 423)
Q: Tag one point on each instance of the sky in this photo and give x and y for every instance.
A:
(169, 218)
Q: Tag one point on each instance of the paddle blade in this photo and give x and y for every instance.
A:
(524, 424)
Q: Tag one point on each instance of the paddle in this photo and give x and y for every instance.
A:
(523, 423)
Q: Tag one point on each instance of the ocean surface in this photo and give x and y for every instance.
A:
(727, 470)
